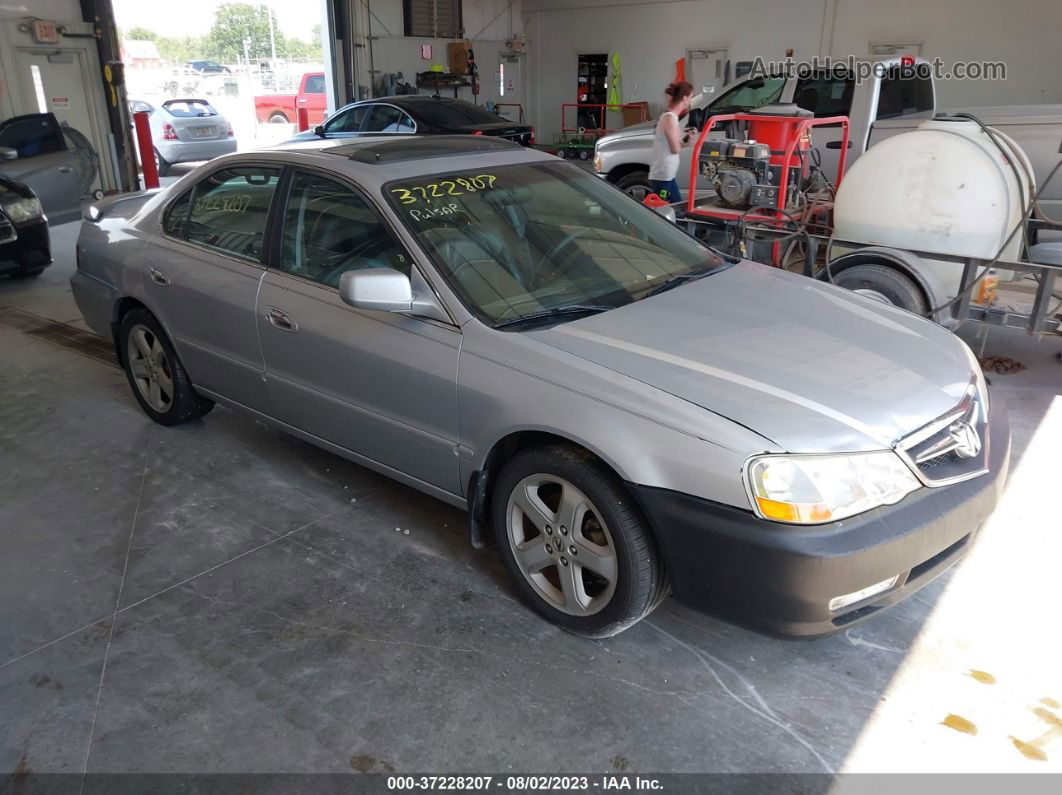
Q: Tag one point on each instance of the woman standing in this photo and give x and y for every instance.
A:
(668, 140)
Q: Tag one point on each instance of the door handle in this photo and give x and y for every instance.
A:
(837, 145)
(158, 276)
(65, 169)
(281, 321)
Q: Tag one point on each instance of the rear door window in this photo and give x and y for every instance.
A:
(905, 90)
(388, 119)
(230, 209)
(175, 221)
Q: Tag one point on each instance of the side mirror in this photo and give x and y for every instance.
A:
(695, 118)
(319, 131)
(379, 289)
(7, 153)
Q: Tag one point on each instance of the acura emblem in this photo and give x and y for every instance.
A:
(967, 440)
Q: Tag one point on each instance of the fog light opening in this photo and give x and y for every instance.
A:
(845, 600)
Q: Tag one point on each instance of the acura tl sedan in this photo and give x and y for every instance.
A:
(624, 411)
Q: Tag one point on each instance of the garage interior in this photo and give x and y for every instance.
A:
(222, 597)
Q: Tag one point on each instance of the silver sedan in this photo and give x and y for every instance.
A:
(624, 411)
(185, 131)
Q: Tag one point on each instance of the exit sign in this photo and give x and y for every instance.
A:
(45, 32)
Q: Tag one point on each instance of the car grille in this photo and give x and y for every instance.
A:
(951, 448)
(7, 230)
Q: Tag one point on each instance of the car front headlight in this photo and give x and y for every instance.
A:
(978, 377)
(597, 163)
(23, 209)
(812, 489)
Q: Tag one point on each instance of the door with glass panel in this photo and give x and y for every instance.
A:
(203, 278)
(380, 384)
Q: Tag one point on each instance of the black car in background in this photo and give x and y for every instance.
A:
(25, 247)
(419, 114)
(207, 67)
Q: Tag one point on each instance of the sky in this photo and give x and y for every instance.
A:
(194, 18)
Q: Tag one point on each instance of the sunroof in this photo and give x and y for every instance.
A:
(422, 147)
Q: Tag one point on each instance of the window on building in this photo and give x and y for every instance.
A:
(440, 19)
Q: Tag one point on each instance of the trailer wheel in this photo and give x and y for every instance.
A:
(884, 284)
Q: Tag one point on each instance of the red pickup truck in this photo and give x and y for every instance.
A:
(283, 108)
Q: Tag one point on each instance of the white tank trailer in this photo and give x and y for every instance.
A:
(945, 187)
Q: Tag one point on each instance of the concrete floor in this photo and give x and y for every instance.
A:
(221, 597)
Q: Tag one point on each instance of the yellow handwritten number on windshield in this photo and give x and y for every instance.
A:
(445, 187)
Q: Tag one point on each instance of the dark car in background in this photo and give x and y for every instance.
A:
(421, 114)
(25, 248)
(207, 67)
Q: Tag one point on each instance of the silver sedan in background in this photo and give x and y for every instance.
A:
(186, 130)
(622, 409)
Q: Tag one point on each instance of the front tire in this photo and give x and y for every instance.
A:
(156, 376)
(578, 550)
(635, 184)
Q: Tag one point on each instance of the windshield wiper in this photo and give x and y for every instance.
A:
(690, 276)
(559, 311)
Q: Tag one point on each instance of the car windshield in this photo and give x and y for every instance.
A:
(189, 108)
(522, 240)
(450, 113)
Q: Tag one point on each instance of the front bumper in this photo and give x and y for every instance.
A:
(779, 579)
(30, 250)
(190, 151)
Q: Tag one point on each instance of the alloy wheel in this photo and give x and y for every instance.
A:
(150, 367)
(561, 544)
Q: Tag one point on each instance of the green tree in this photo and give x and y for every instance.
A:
(177, 50)
(234, 22)
(140, 34)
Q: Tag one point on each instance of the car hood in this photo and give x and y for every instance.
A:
(809, 366)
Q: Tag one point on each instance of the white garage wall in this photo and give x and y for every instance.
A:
(486, 23)
(1024, 34)
(651, 36)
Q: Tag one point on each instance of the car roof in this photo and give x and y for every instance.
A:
(382, 158)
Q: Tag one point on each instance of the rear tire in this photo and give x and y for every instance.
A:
(156, 376)
(161, 164)
(884, 284)
(549, 501)
(635, 184)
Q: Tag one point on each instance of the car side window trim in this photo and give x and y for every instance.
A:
(279, 210)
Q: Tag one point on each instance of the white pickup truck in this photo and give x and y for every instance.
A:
(894, 101)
